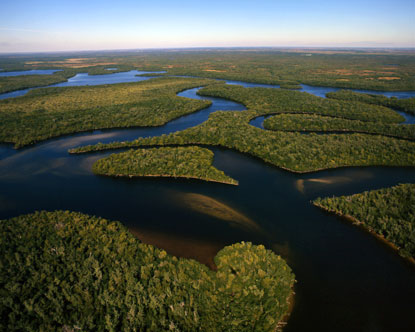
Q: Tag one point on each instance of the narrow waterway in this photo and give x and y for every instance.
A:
(347, 280)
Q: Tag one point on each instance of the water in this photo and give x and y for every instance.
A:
(409, 118)
(86, 79)
(111, 68)
(29, 72)
(347, 279)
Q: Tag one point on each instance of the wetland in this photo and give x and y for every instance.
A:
(347, 280)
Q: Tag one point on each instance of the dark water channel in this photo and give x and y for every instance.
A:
(347, 280)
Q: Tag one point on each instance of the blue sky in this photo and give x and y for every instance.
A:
(124, 24)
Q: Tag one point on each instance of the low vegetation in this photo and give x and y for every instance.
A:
(388, 212)
(177, 162)
(66, 271)
(318, 123)
(406, 104)
(359, 69)
(50, 112)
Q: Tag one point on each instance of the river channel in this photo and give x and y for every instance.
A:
(347, 279)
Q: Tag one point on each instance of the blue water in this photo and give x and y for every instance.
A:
(123, 77)
(131, 76)
(29, 72)
(86, 79)
(321, 91)
(252, 85)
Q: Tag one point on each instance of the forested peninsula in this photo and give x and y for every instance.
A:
(64, 271)
(51, 112)
(293, 151)
(389, 213)
(176, 162)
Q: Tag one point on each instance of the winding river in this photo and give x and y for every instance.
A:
(347, 279)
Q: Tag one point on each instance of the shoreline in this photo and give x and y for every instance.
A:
(168, 176)
(20, 145)
(291, 304)
(369, 230)
(126, 145)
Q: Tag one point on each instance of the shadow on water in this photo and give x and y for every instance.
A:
(347, 280)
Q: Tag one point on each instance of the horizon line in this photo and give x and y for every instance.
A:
(219, 47)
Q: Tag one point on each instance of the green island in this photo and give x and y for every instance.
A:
(51, 112)
(67, 271)
(406, 104)
(319, 123)
(289, 150)
(389, 213)
(178, 162)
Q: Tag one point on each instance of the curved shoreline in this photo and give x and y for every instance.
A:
(17, 146)
(124, 145)
(168, 176)
(368, 229)
(291, 304)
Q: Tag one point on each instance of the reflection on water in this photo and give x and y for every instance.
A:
(212, 207)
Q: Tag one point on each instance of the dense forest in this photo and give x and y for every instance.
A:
(319, 123)
(178, 162)
(388, 212)
(406, 104)
(50, 112)
(67, 271)
(285, 101)
(289, 150)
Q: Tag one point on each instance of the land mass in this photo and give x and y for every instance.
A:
(388, 213)
(293, 151)
(69, 271)
(176, 162)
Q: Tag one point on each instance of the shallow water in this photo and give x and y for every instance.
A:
(347, 280)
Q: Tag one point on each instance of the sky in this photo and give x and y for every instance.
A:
(59, 25)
